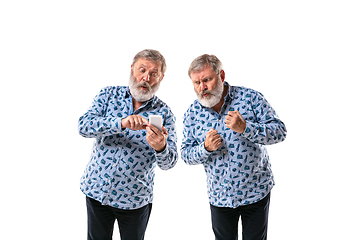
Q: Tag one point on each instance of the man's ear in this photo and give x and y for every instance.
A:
(222, 75)
(162, 77)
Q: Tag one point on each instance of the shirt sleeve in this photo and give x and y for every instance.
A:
(94, 122)
(168, 157)
(192, 151)
(267, 128)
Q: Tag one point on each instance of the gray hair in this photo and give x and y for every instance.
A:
(203, 61)
(151, 55)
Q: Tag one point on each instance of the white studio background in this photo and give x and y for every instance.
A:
(55, 56)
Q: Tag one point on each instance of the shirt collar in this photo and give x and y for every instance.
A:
(127, 94)
(230, 94)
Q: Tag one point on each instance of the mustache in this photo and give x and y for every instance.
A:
(206, 92)
(144, 84)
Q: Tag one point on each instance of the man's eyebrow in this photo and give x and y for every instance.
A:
(201, 79)
(204, 78)
(155, 69)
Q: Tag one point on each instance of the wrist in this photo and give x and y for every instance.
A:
(206, 148)
(242, 127)
(122, 124)
(159, 150)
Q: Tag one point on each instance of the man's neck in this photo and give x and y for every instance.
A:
(136, 105)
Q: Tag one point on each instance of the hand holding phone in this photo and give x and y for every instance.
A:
(156, 121)
(155, 139)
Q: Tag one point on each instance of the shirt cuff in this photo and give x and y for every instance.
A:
(163, 153)
(248, 130)
(117, 122)
(203, 153)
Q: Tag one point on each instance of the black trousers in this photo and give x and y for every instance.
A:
(254, 219)
(101, 219)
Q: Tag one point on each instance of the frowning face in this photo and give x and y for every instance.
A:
(208, 86)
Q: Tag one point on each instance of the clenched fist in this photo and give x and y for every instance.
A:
(212, 140)
(235, 121)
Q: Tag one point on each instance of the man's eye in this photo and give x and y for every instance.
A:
(142, 70)
(154, 74)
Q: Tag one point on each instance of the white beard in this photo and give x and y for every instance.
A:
(139, 94)
(214, 96)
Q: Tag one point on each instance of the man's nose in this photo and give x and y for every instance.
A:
(203, 86)
(146, 77)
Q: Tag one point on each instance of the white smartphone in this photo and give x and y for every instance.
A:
(156, 120)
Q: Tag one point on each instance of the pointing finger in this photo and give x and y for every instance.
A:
(145, 121)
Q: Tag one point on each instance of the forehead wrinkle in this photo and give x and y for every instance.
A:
(202, 77)
(204, 72)
(148, 67)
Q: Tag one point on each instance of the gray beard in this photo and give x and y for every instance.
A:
(214, 96)
(142, 95)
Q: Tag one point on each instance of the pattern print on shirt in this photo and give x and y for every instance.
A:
(120, 172)
(239, 172)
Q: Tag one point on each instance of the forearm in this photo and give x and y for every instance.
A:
(95, 121)
(265, 133)
(266, 128)
(193, 155)
(167, 158)
(91, 126)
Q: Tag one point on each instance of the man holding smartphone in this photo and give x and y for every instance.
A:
(226, 130)
(118, 180)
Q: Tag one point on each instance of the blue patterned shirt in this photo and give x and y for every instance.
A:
(238, 172)
(121, 169)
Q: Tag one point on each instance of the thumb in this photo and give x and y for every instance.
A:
(238, 113)
(164, 130)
